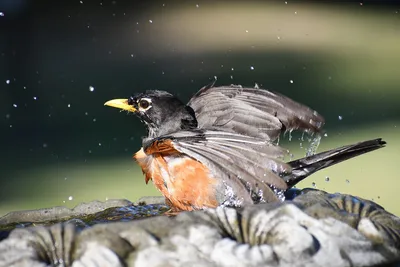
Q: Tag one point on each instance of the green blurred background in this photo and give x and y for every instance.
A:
(61, 60)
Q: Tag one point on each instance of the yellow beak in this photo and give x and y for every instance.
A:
(121, 104)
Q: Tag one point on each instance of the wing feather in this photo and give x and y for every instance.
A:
(247, 164)
(252, 111)
(219, 168)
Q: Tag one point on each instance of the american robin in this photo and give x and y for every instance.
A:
(220, 149)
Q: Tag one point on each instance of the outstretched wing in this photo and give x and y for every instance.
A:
(246, 167)
(252, 112)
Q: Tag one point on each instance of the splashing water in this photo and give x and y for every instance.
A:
(260, 195)
(231, 199)
(279, 193)
(313, 146)
(290, 135)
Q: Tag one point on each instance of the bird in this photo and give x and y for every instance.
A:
(221, 149)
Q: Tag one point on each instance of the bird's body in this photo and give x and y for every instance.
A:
(219, 149)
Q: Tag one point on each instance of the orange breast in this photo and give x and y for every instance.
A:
(185, 183)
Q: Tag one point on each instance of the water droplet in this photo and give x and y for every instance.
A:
(81, 2)
(1, 14)
(150, 21)
(251, 67)
(94, 120)
(295, 12)
(231, 77)
(15, 105)
(278, 37)
(44, 145)
(65, 178)
(314, 185)
(69, 105)
(326, 134)
(285, 3)
(90, 151)
(327, 178)
(7, 81)
(340, 117)
(291, 81)
(34, 98)
(347, 181)
(8, 116)
(197, 5)
(91, 88)
(99, 144)
(70, 198)
(232, 69)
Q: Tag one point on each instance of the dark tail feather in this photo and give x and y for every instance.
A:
(307, 166)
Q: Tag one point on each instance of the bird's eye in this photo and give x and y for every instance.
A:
(144, 104)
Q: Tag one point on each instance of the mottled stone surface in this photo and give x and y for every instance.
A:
(314, 229)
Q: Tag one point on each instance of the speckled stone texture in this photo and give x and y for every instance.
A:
(314, 229)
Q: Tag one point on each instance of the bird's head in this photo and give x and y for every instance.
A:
(162, 112)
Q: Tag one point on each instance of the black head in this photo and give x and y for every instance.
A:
(162, 112)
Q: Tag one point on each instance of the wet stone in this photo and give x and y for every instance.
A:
(83, 215)
(310, 228)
